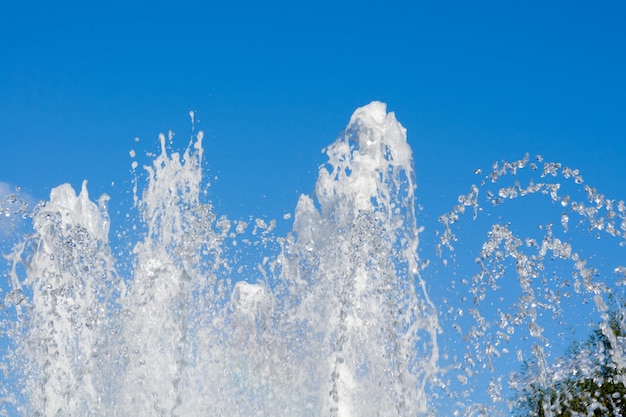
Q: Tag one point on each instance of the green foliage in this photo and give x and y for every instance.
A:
(590, 382)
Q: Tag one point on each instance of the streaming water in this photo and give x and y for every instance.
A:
(337, 320)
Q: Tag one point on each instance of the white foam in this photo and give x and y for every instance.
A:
(361, 160)
(352, 238)
(328, 328)
(79, 210)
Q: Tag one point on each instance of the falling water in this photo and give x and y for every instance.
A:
(336, 321)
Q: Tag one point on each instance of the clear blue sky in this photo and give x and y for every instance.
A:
(272, 83)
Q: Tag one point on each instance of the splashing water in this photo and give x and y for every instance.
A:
(339, 322)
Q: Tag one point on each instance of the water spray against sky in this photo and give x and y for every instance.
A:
(185, 311)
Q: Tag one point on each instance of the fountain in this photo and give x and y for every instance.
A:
(342, 316)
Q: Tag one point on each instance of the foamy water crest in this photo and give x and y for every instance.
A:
(335, 321)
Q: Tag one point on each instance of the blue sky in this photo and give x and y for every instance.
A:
(272, 83)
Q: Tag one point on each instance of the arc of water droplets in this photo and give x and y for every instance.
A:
(613, 222)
